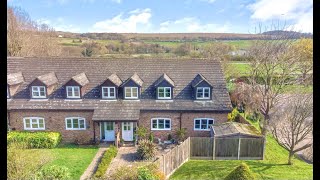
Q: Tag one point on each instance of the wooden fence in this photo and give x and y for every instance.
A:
(173, 159)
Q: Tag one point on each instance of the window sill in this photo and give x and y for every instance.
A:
(201, 129)
(108, 99)
(72, 99)
(39, 99)
(160, 129)
(76, 129)
(27, 129)
(164, 100)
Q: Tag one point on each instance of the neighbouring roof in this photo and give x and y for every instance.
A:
(198, 79)
(164, 77)
(15, 78)
(234, 128)
(115, 79)
(182, 72)
(135, 78)
(48, 79)
(81, 79)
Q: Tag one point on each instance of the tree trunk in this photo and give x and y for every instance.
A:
(290, 158)
(264, 126)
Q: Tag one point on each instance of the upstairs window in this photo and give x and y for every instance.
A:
(33, 123)
(131, 92)
(38, 91)
(164, 92)
(108, 92)
(202, 124)
(203, 93)
(73, 92)
(160, 124)
(75, 123)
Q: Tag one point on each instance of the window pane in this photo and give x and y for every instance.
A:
(199, 93)
(154, 123)
(203, 124)
(160, 89)
(76, 91)
(34, 125)
(34, 88)
(168, 92)
(75, 123)
(27, 123)
(128, 92)
(124, 127)
(161, 124)
(129, 127)
(167, 124)
(41, 125)
(206, 92)
(197, 124)
(81, 123)
(34, 120)
(112, 92)
(69, 91)
(69, 124)
(210, 122)
(134, 92)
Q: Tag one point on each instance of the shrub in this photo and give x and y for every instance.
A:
(146, 149)
(141, 132)
(35, 139)
(54, 173)
(151, 137)
(169, 137)
(234, 115)
(242, 172)
(125, 173)
(181, 133)
(150, 171)
(105, 161)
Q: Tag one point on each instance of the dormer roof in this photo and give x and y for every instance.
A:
(198, 79)
(164, 77)
(15, 78)
(135, 78)
(81, 79)
(48, 79)
(115, 79)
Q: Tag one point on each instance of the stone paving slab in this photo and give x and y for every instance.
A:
(88, 173)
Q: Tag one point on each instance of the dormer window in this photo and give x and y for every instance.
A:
(108, 92)
(164, 92)
(203, 93)
(131, 92)
(73, 91)
(38, 91)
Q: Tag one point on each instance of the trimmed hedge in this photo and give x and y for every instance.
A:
(242, 172)
(105, 161)
(34, 139)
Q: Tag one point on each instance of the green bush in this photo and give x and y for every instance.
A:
(141, 132)
(54, 173)
(242, 172)
(35, 139)
(146, 149)
(125, 173)
(105, 161)
(234, 115)
(151, 137)
(150, 172)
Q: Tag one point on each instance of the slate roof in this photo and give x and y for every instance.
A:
(234, 128)
(81, 79)
(48, 79)
(164, 77)
(198, 79)
(182, 72)
(115, 79)
(15, 78)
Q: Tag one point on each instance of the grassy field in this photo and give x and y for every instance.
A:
(272, 167)
(74, 157)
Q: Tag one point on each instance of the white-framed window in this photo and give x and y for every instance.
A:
(160, 124)
(38, 91)
(108, 92)
(33, 123)
(203, 124)
(164, 92)
(75, 123)
(73, 91)
(131, 92)
(203, 93)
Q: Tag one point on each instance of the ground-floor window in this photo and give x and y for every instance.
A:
(160, 124)
(75, 123)
(33, 123)
(202, 123)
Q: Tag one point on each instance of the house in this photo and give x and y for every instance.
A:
(91, 99)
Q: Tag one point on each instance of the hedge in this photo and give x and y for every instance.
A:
(34, 139)
(242, 172)
(105, 161)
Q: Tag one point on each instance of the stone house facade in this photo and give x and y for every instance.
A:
(90, 100)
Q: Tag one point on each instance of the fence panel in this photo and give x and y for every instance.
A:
(251, 148)
(201, 147)
(226, 148)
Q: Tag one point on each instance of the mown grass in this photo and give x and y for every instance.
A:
(272, 167)
(75, 158)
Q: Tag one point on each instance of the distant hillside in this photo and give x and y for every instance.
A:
(291, 34)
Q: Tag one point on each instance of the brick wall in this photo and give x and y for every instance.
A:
(55, 121)
(187, 121)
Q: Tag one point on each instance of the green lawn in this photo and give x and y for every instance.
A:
(76, 158)
(272, 167)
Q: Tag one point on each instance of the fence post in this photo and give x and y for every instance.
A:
(239, 148)
(214, 148)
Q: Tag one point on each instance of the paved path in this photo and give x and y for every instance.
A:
(94, 164)
(125, 157)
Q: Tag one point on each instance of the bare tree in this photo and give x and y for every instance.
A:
(293, 123)
(29, 38)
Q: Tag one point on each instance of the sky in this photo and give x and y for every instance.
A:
(170, 16)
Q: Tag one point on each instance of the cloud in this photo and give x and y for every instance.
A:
(191, 24)
(121, 24)
(209, 1)
(117, 1)
(295, 10)
(59, 24)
